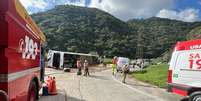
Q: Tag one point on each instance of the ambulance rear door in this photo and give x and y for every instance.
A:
(187, 69)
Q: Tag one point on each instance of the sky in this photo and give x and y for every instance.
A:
(184, 10)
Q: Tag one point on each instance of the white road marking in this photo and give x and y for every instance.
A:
(137, 90)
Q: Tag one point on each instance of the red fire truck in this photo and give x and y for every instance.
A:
(21, 53)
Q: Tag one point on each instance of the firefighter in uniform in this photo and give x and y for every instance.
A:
(114, 64)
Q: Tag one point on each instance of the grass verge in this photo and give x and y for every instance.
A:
(107, 61)
(153, 74)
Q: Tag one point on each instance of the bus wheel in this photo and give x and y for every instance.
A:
(196, 96)
(32, 92)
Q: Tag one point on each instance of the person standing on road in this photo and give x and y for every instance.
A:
(79, 72)
(142, 64)
(125, 70)
(114, 64)
(86, 68)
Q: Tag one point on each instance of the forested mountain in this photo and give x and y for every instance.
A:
(81, 29)
(159, 34)
(195, 34)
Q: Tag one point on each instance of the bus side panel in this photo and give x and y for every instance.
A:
(50, 58)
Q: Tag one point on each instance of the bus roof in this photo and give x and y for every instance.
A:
(188, 45)
(72, 53)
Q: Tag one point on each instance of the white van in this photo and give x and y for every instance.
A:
(184, 75)
(120, 62)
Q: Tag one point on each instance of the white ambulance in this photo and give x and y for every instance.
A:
(121, 62)
(184, 75)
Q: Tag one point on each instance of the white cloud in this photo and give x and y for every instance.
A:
(187, 15)
(34, 6)
(128, 9)
(123, 9)
(39, 4)
(26, 3)
(77, 2)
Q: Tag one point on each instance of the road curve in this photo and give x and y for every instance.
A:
(100, 86)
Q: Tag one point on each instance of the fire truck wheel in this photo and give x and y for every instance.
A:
(196, 96)
(3, 96)
(32, 92)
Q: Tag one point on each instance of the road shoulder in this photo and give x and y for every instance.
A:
(147, 89)
(61, 96)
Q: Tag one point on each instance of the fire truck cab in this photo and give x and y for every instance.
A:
(184, 77)
(21, 53)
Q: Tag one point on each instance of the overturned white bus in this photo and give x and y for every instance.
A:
(61, 60)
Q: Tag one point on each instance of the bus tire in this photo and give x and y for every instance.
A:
(32, 92)
(195, 96)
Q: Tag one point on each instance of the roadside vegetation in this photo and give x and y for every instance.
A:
(153, 74)
(107, 61)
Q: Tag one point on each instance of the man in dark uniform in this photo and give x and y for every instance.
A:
(125, 70)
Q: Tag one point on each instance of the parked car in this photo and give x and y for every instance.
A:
(120, 62)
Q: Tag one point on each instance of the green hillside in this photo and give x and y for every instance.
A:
(159, 35)
(81, 29)
(195, 34)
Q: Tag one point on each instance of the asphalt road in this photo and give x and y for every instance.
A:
(102, 86)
